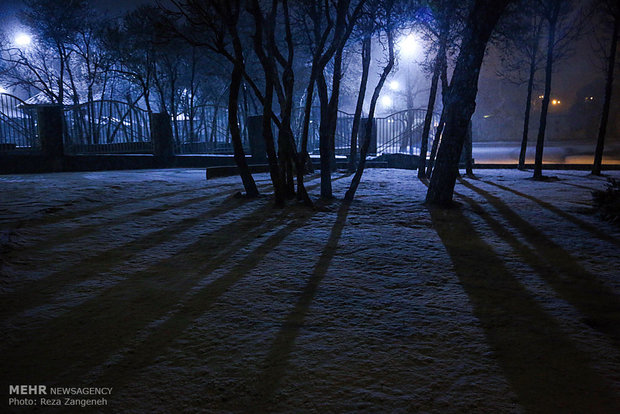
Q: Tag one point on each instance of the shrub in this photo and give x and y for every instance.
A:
(607, 201)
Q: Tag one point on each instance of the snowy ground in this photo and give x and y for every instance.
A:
(184, 298)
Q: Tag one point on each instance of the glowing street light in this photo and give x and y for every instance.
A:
(3, 90)
(394, 85)
(408, 46)
(22, 39)
(386, 101)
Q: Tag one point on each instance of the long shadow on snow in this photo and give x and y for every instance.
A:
(54, 240)
(106, 322)
(599, 305)
(103, 324)
(585, 187)
(192, 307)
(38, 291)
(585, 226)
(543, 367)
(276, 361)
(32, 222)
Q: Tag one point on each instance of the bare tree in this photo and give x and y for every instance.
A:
(611, 8)
(130, 40)
(519, 40)
(564, 24)
(216, 25)
(271, 58)
(445, 87)
(462, 97)
(329, 27)
(42, 66)
(368, 28)
(56, 23)
(439, 28)
(388, 25)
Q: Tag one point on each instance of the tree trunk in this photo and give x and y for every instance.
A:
(435, 147)
(428, 119)
(272, 158)
(305, 157)
(462, 98)
(233, 108)
(540, 141)
(350, 194)
(61, 80)
(528, 102)
(366, 50)
(600, 143)
(526, 119)
(333, 107)
(444, 101)
(324, 144)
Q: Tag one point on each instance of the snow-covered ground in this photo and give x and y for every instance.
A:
(185, 298)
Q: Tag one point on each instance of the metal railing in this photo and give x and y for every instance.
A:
(400, 132)
(204, 130)
(344, 126)
(115, 127)
(18, 128)
(107, 127)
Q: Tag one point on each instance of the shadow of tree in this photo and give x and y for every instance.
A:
(585, 187)
(543, 367)
(585, 226)
(39, 290)
(277, 359)
(56, 218)
(193, 307)
(107, 322)
(599, 305)
(85, 229)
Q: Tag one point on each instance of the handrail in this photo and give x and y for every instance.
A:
(113, 101)
(14, 97)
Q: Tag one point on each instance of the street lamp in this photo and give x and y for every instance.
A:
(22, 39)
(386, 101)
(408, 46)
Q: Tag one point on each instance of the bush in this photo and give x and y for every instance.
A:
(607, 201)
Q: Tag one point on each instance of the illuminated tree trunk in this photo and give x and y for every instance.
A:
(444, 100)
(462, 98)
(428, 119)
(366, 50)
(272, 158)
(332, 108)
(350, 194)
